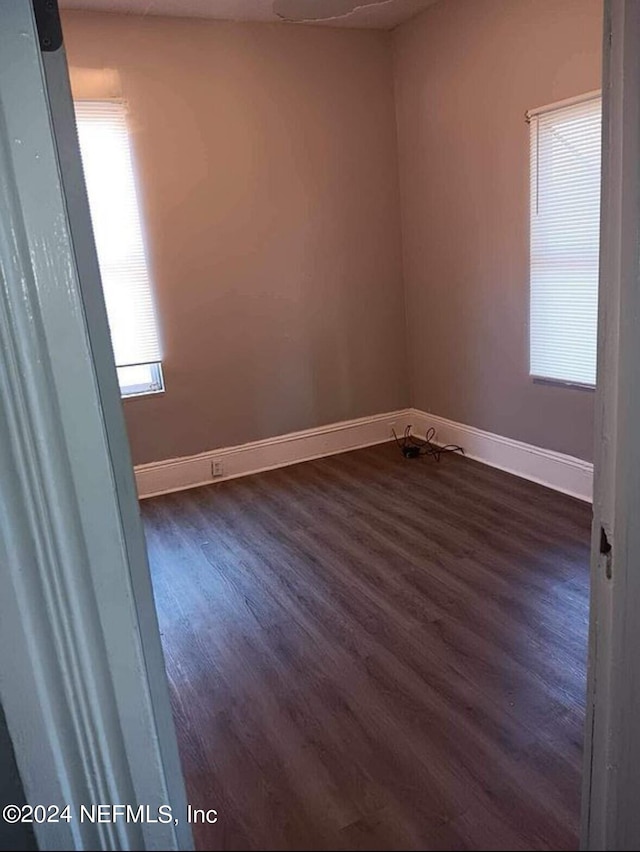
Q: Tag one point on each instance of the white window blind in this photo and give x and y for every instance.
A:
(565, 232)
(108, 171)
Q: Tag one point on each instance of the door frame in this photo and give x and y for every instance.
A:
(611, 777)
(84, 686)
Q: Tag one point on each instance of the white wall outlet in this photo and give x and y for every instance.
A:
(217, 468)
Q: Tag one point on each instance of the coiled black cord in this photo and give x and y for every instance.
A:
(412, 447)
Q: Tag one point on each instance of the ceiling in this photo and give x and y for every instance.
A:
(378, 14)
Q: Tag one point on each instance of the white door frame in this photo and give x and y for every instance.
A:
(82, 676)
(611, 807)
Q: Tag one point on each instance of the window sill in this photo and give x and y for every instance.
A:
(140, 380)
(139, 394)
(543, 380)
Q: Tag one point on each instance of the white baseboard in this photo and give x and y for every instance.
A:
(555, 470)
(189, 472)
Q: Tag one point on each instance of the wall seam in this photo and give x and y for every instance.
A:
(408, 348)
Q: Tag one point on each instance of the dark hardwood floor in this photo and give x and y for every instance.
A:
(366, 652)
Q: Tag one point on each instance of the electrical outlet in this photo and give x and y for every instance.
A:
(217, 468)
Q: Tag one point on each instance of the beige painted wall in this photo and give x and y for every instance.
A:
(466, 71)
(267, 162)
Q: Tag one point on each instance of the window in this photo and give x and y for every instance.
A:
(140, 379)
(565, 231)
(108, 171)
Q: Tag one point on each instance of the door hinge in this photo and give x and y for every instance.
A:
(48, 24)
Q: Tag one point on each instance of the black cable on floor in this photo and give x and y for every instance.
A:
(412, 447)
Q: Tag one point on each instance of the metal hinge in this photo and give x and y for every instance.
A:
(48, 24)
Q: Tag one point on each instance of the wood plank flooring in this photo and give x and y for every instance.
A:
(368, 652)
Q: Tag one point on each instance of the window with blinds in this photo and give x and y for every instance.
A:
(565, 236)
(117, 228)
